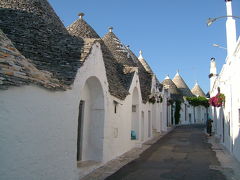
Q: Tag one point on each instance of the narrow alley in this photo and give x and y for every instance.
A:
(183, 154)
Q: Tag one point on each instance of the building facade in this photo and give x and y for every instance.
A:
(227, 114)
(69, 97)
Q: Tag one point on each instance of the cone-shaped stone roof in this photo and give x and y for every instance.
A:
(145, 78)
(118, 50)
(39, 8)
(197, 91)
(117, 80)
(144, 63)
(16, 70)
(182, 86)
(175, 93)
(82, 29)
(37, 32)
(121, 56)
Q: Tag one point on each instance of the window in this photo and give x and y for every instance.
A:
(134, 108)
(115, 106)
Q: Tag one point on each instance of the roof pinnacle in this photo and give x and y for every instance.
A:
(177, 74)
(81, 14)
(110, 29)
(167, 77)
(140, 55)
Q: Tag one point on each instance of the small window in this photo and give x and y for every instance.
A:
(134, 108)
(115, 108)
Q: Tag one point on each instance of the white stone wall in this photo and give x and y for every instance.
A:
(38, 134)
(226, 119)
(38, 131)
(38, 128)
(118, 125)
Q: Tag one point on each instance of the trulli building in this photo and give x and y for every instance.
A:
(69, 97)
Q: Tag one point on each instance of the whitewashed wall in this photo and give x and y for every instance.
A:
(38, 128)
(38, 131)
(226, 124)
(118, 125)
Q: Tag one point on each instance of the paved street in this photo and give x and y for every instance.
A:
(183, 154)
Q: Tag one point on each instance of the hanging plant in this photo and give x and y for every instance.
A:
(218, 100)
(198, 101)
(160, 99)
(152, 100)
(170, 102)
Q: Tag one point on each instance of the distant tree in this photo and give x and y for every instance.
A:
(198, 101)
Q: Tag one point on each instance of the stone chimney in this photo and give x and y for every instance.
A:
(110, 29)
(213, 72)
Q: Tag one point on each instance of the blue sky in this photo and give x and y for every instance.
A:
(172, 34)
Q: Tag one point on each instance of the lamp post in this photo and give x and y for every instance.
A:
(212, 20)
(217, 45)
(231, 45)
(230, 27)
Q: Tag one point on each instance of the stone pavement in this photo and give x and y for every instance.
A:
(183, 154)
(112, 166)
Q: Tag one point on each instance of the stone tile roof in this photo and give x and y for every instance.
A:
(144, 63)
(182, 86)
(39, 8)
(159, 85)
(122, 57)
(16, 70)
(39, 35)
(81, 28)
(145, 78)
(119, 51)
(175, 93)
(118, 81)
(197, 91)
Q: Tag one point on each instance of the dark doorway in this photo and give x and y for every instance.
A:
(80, 130)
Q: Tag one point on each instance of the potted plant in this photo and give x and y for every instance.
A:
(152, 100)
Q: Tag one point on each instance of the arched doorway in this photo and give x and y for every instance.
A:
(149, 124)
(142, 126)
(91, 122)
(135, 113)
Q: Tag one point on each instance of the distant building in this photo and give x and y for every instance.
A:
(179, 92)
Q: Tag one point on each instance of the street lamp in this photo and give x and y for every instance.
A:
(217, 45)
(211, 20)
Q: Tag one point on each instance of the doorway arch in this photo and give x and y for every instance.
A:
(91, 122)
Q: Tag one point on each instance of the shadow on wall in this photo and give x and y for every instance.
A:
(223, 128)
(236, 147)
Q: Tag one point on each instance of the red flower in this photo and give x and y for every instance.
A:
(217, 101)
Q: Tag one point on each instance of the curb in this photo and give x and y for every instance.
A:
(230, 167)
